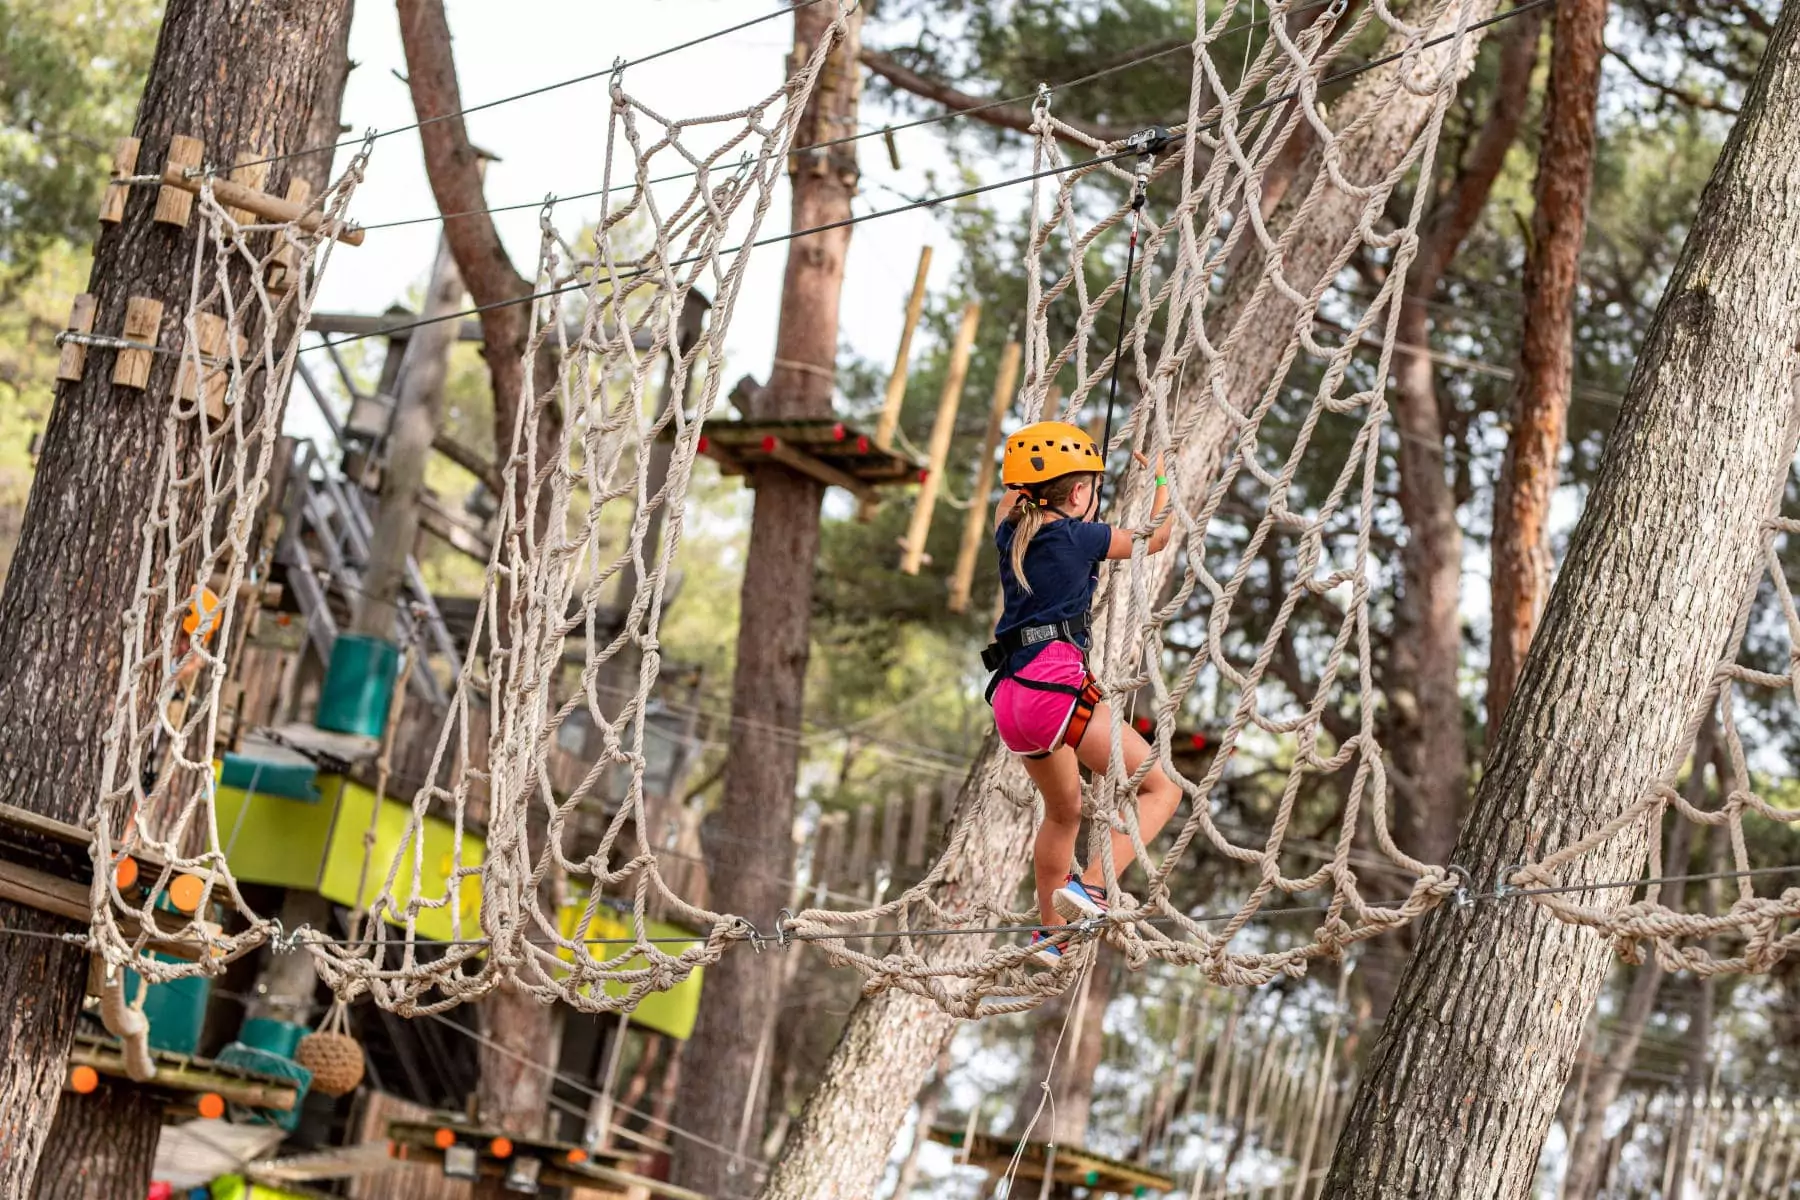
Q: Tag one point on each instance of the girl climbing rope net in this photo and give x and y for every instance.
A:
(1047, 705)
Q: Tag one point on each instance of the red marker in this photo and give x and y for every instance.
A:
(769, 444)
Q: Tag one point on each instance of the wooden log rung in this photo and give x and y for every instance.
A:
(72, 360)
(143, 326)
(273, 209)
(173, 202)
(125, 156)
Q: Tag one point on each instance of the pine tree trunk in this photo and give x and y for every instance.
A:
(1452, 1105)
(748, 840)
(840, 1143)
(102, 1145)
(408, 451)
(242, 79)
(1521, 549)
(1429, 746)
(453, 167)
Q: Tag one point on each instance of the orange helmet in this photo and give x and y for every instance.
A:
(1048, 450)
(202, 615)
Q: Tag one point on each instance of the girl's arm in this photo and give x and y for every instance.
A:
(1159, 538)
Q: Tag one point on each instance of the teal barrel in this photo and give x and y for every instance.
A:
(359, 682)
(271, 1035)
(177, 1010)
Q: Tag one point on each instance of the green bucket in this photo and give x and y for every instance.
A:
(177, 1012)
(359, 683)
(276, 1037)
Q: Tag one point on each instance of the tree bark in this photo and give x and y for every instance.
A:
(1587, 1149)
(1521, 549)
(102, 1145)
(748, 840)
(243, 79)
(1429, 746)
(453, 167)
(408, 451)
(513, 1092)
(1464, 1080)
(1068, 1060)
(840, 1143)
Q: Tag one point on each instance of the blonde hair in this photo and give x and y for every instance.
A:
(1027, 516)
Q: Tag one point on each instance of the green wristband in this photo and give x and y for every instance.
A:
(1162, 481)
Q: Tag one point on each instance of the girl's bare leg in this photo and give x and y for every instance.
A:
(1059, 779)
(1157, 799)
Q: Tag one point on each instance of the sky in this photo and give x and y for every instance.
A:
(555, 143)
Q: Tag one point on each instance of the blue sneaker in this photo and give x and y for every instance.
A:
(1046, 949)
(1076, 901)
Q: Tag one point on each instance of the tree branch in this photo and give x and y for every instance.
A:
(1668, 90)
(1005, 116)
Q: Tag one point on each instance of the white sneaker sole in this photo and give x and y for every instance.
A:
(1073, 904)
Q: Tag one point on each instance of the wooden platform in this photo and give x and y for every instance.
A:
(45, 864)
(603, 1171)
(1071, 1165)
(833, 452)
(182, 1078)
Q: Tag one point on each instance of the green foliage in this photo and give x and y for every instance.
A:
(70, 75)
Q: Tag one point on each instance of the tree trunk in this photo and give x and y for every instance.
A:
(1067, 1058)
(453, 167)
(1429, 747)
(408, 450)
(840, 1143)
(748, 840)
(1585, 1176)
(1656, 571)
(243, 79)
(513, 1093)
(1521, 549)
(102, 1145)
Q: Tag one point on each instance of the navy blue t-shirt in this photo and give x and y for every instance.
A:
(1062, 565)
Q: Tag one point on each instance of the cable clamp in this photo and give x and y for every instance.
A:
(1462, 895)
(1337, 9)
(756, 939)
(1501, 886)
(784, 937)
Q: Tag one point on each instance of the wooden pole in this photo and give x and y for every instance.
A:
(941, 429)
(896, 387)
(976, 523)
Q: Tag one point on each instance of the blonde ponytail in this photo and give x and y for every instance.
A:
(1027, 519)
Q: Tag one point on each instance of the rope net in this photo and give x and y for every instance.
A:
(251, 292)
(1248, 355)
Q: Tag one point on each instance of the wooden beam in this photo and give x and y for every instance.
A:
(896, 385)
(143, 324)
(975, 524)
(258, 203)
(188, 1077)
(73, 358)
(444, 525)
(125, 156)
(66, 898)
(374, 325)
(173, 204)
(799, 460)
(941, 430)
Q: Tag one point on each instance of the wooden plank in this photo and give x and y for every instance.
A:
(896, 385)
(175, 200)
(73, 359)
(125, 156)
(860, 845)
(66, 898)
(975, 524)
(282, 268)
(143, 324)
(188, 1077)
(441, 523)
(251, 171)
(941, 429)
(918, 829)
(211, 328)
(798, 460)
(271, 208)
(890, 834)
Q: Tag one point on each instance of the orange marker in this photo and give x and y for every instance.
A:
(443, 1139)
(212, 1106)
(501, 1147)
(83, 1079)
(186, 891)
(125, 872)
(577, 1155)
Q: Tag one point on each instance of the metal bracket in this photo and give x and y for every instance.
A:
(783, 936)
(1462, 895)
(1501, 886)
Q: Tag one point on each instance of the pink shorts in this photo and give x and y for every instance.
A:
(1032, 721)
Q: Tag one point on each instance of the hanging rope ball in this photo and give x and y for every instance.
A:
(335, 1059)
